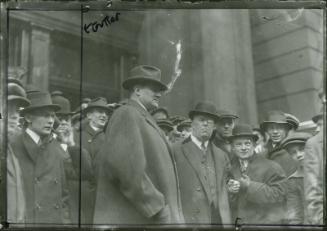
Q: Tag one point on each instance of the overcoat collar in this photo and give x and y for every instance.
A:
(91, 131)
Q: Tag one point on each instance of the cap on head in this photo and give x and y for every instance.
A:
(204, 108)
(295, 138)
(277, 117)
(243, 130)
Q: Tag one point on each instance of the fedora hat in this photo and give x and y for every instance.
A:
(277, 117)
(16, 93)
(292, 120)
(40, 100)
(63, 103)
(99, 102)
(206, 108)
(319, 115)
(243, 130)
(226, 114)
(296, 138)
(143, 74)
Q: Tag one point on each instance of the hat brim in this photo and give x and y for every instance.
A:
(317, 117)
(228, 116)
(129, 83)
(89, 108)
(168, 127)
(252, 136)
(295, 141)
(55, 107)
(191, 114)
(21, 101)
(264, 124)
(65, 113)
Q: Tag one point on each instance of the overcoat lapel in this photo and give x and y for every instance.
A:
(191, 153)
(31, 147)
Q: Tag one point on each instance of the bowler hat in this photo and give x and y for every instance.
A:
(319, 115)
(226, 114)
(30, 88)
(17, 93)
(54, 93)
(165, 123)
(243, 130)
(206, 108)
(295, 138)
(277, 117)
(40, 100)
(292, 120)
(99, 102)
(143, 74)
(63, 103)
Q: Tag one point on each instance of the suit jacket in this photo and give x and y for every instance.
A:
(313, 167)
(137, 174)
(194, 189)
(263, 201)
(45, 187)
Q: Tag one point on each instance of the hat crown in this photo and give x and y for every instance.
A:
(39, 99)
(146, 71)
(98, 102)
(222, 113)
(242, 129)
(16, 89)
(276, 117)
(205, 107)
(63, 103)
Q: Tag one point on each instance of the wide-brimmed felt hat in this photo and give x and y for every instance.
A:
(183, 124)
(40, 100)
(243, 130)
(99, 102)
(165, 123)
(206, 108)
(277, 117)
(292, 120)
(226, 114)
(296, 138)
(64, 104)
(318, 116)
(16, 93)
(144, 74)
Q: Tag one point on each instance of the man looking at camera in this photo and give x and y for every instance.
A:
(257, 190)
(202, 171)
(137, 182)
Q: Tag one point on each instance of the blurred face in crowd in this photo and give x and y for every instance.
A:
(41, 121)
(148, 95)
(296, 150)
(225, 126)
(98, 117)
(13, 117)
(261, 138)
(186, 131)
(243, 147)
(65, 124)
(277, 132)
(202, 126)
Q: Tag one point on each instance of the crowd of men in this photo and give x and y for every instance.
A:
(131, 163)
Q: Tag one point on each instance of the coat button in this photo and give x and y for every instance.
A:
(198, 189)
(55, 181)
(89, 141)
(56, 206)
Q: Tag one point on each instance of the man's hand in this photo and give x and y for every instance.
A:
(66, 135)
(245, 181)
(233, 186)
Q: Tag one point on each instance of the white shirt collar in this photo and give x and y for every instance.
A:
(64, 146)
(198, 143)
(35, 137)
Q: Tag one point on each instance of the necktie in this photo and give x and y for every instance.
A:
(203, 146)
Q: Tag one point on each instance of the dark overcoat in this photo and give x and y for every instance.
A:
(45, 186)
(263, 202)
(137, 172)
(193, 187)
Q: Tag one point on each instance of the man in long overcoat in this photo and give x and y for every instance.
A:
(203, 170)
(258, 188)
(137, 181)
(41, 162)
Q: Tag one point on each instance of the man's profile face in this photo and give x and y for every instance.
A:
(13, 118)
(277, 132)
(225, 126)
(41, 120)
(98, 117)
(202, 127)
(149, 95)
(242, 147)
